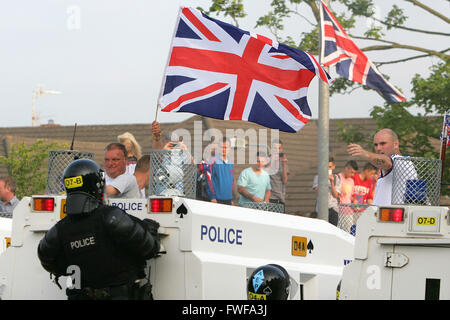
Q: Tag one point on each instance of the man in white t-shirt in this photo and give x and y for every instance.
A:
(119, 184)
(387, 147)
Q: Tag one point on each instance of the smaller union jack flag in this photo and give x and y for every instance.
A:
(351, 63)
(220, 71)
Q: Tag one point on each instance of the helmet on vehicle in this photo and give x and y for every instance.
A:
(268, 282)
(84, 182)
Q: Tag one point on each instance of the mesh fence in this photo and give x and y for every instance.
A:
(416, 181)
(265, 206)
(58, 160)
(349, 215)
(172, 174)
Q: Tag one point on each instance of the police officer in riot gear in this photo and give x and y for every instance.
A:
(268, 282)
(109, 247)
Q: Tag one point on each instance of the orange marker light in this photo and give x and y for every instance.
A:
(391, 214)
(43, 204)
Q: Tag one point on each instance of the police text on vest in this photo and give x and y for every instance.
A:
(82, 243)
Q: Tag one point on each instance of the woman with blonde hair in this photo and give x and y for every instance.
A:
(133, 148)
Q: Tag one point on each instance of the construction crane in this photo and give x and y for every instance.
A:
(37, 92)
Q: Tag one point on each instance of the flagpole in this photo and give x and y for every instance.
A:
(323, 134)
(156, 114)
(444, 134)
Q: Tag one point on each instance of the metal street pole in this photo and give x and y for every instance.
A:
(323, 143)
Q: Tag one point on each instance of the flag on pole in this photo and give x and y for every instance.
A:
(351, 63)
(220, 71)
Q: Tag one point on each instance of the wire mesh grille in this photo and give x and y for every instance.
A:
(58, 160)
(416, 181)
(349, 215)
(172, 174)
(5, 215)
(265, 206)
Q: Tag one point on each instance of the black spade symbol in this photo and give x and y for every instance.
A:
(182, 210)
(310, 246)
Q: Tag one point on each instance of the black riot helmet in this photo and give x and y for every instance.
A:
(84, 181)
(269, 282)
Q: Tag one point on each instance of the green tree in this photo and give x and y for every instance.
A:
(395, 19)
(351, 134)
(27, 165)
(229, 8)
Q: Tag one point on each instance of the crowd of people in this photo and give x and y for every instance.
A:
(127, 173)
(348, 187)
(266, 180)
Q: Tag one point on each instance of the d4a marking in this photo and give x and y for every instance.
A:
(299, 245)
(182, 210)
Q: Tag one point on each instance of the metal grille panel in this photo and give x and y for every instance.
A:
(58, 160)
(265, 206)
(349, 215)
(172, 174)
(416, 181)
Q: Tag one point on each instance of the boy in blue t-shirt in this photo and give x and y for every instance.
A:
(220, 176)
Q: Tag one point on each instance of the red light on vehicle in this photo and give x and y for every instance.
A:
(397, 215)
(161, 205)
(391, 214)
(43, 204)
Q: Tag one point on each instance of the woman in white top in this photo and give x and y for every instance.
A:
(134, 150)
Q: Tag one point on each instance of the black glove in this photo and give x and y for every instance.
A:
(151, 225)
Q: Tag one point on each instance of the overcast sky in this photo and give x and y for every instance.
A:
(107, 58)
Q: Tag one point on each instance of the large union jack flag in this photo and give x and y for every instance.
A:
(351, 63)
(220, 71)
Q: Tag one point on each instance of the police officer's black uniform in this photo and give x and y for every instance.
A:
(109, 246)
